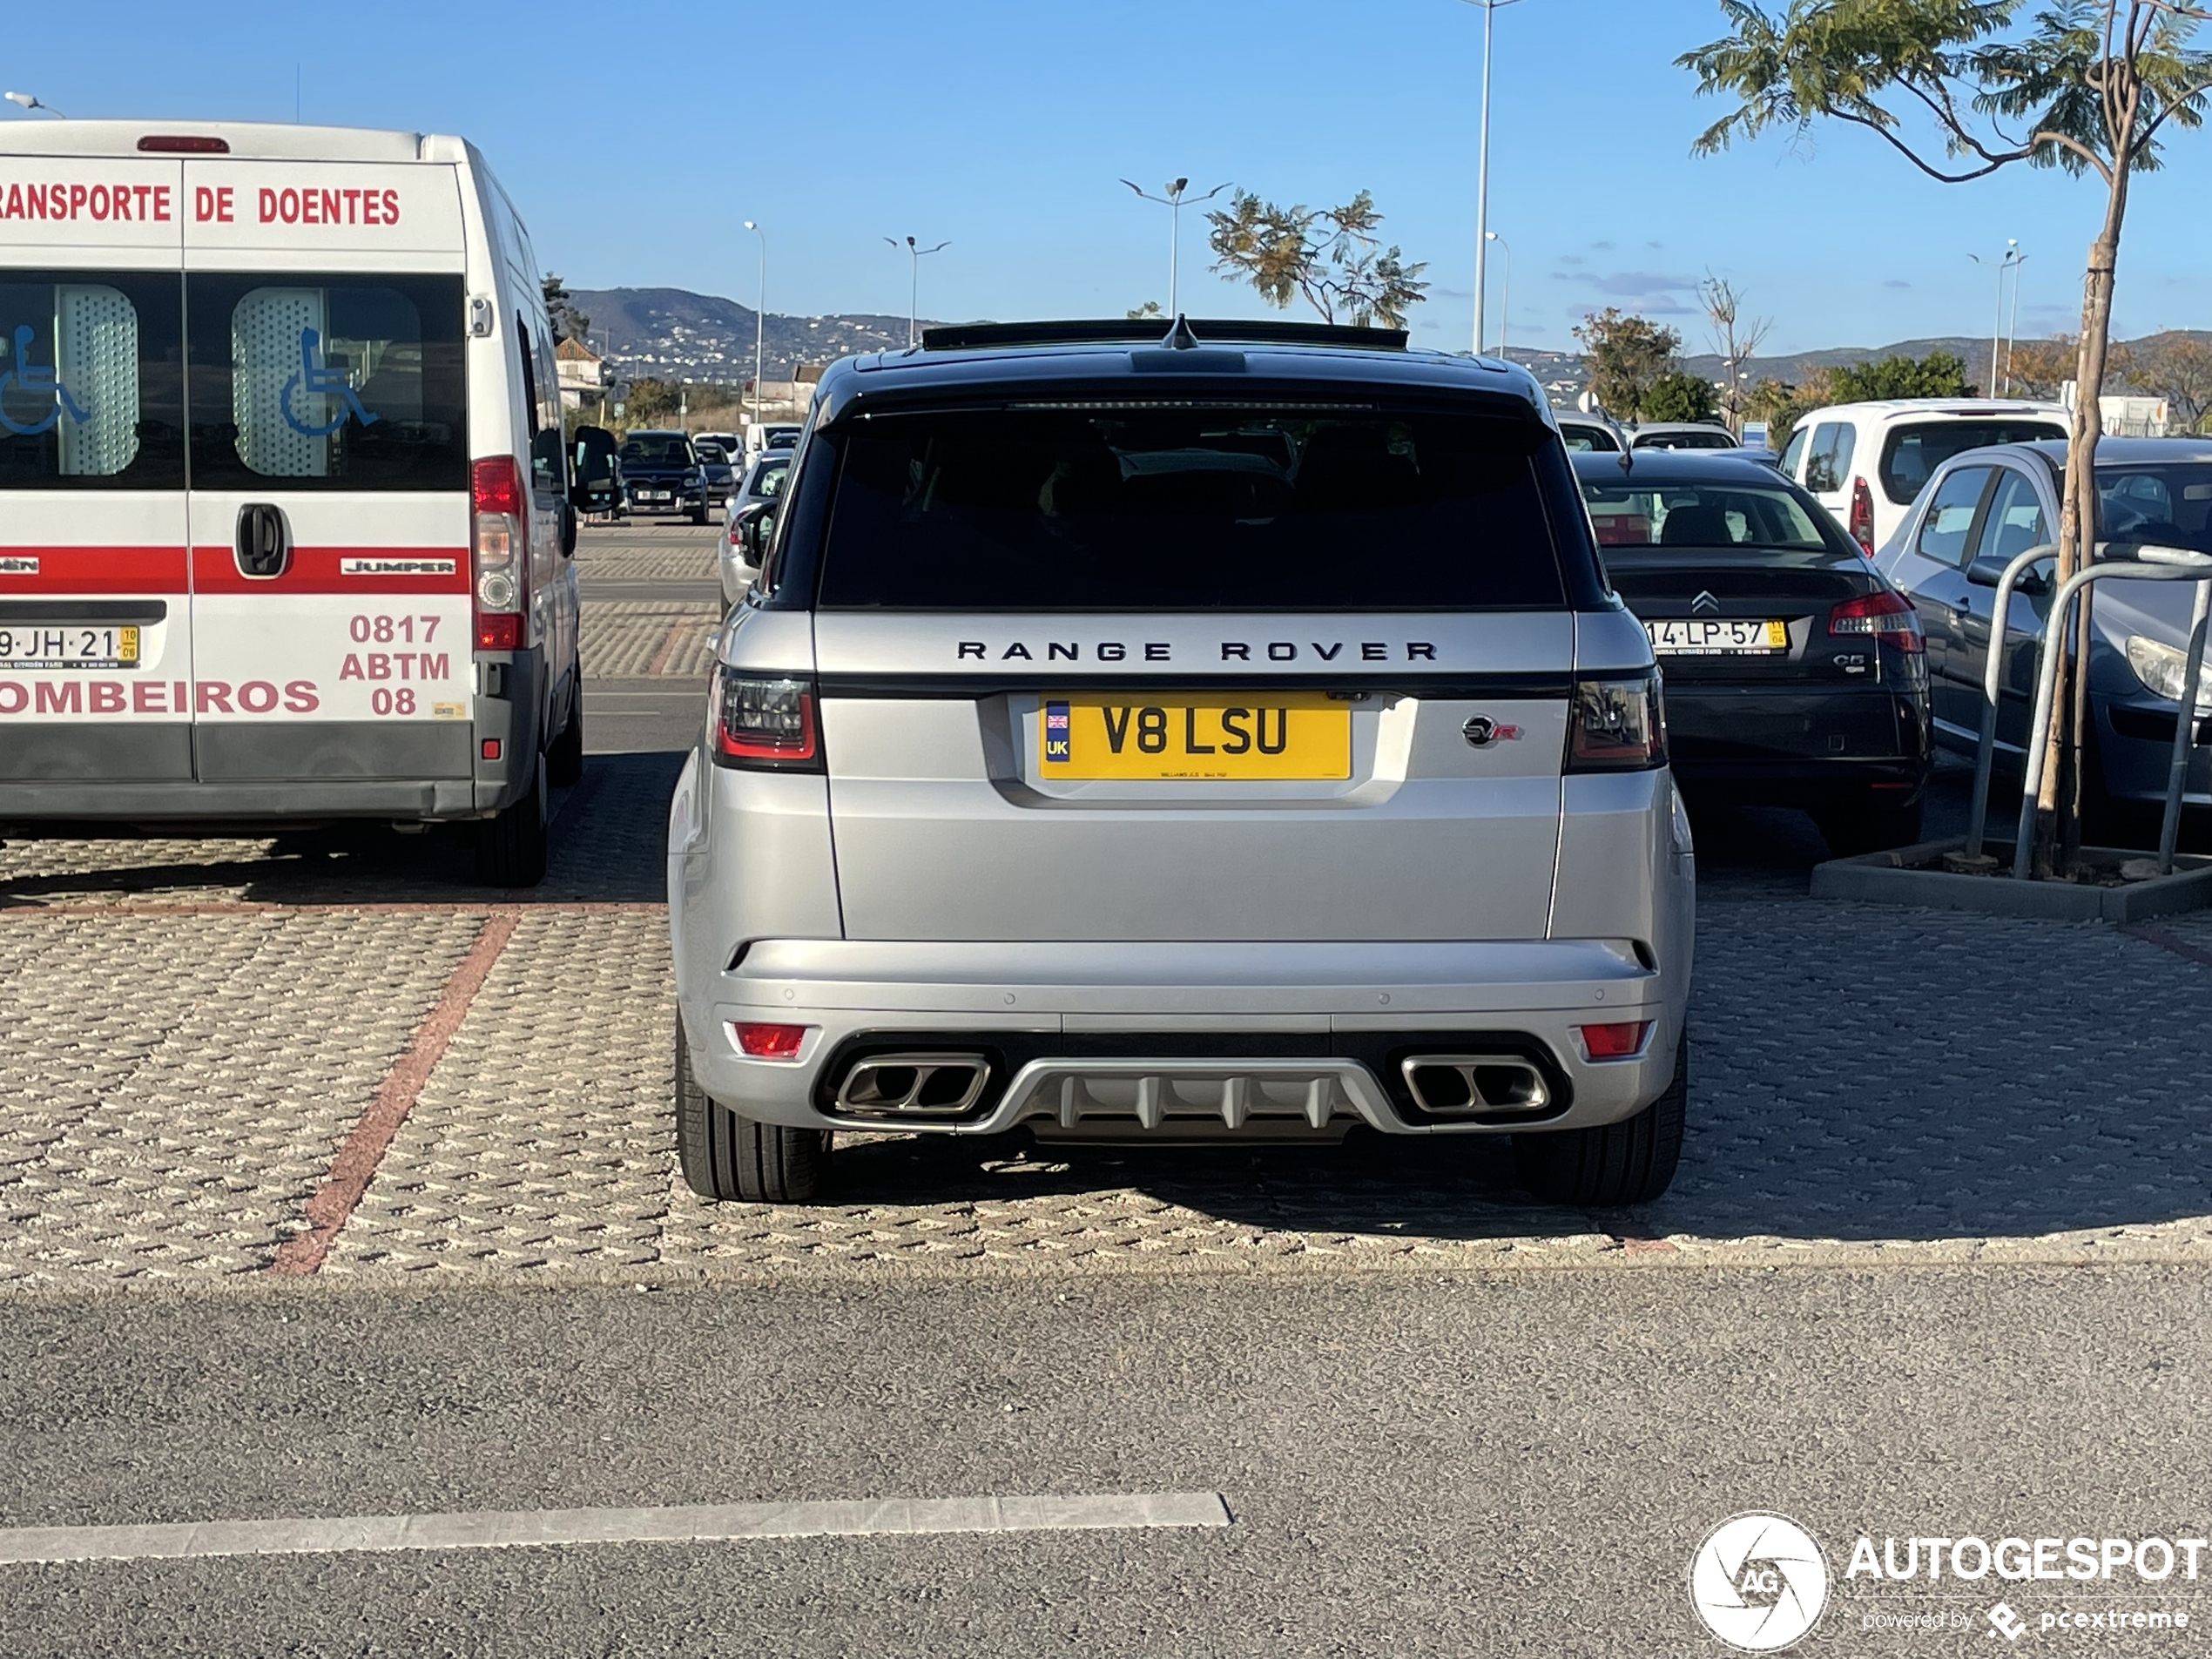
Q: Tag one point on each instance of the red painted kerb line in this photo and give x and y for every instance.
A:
(351, 1171)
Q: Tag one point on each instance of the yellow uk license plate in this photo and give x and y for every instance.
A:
(1293, 734)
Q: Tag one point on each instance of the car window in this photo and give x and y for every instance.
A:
(91, 382)
(2014, 521)
(1829, 463)
(1913, 450)
(770, 478)
(1795, 449)
(2169, 505)
(336, 382)
(1585, 440)
(657, 450)
(1731, 514)
(1194, 506)
(1713, 440)
(1951, 515)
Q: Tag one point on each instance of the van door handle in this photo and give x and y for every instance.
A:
(264, 546)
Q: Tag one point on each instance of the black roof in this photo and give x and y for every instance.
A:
(1147, 359)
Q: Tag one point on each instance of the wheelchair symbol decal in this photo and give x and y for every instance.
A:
(38, 380)
(318, 381)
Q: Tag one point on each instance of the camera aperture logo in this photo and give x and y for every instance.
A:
(1759, 1581)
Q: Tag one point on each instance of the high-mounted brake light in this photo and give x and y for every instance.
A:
(1616, 726)
(1862, 516)
(183, 143)
(1885, 613)
(766, 722)
(502, 552)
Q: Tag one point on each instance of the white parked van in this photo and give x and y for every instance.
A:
(285, 528)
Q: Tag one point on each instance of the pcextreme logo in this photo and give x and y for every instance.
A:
(1759, 1581)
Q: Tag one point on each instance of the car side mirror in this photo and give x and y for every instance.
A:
(1989, 570)
(598, 486)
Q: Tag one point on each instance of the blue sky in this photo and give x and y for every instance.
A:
(635, 149)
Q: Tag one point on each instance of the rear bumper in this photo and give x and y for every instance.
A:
(1316, 1031)
(1798, 746)
(28, 809)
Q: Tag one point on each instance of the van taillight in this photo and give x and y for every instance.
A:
(1617, 724)
(183, 143)
(765, 721)
(502, 552)
(1885, 614)
(1862, 516)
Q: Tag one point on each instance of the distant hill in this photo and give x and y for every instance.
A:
(673, 333)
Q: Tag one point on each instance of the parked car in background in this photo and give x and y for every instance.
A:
(731, 444)
(1983, 509)
(761, 439)
(1795, 671)
(1867, 461)
(1589, 434)
(1681, 435)
(718, 468)
(739, 556)
(661, 474)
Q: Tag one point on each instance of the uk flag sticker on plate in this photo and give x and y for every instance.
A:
(1055, 731)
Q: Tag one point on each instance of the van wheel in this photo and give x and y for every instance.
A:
(1871, 826)
(510, 848)
(564, 759)
(1632, 1161)
(724, 1156)
(699, 516)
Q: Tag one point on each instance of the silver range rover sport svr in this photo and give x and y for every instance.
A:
(1226, 737)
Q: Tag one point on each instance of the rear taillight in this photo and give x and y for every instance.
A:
(761, 1041)
(1886, 615)
(502, 552)
(1616, 726)
(765, 721)
(1616, 1040)
(1862, 516)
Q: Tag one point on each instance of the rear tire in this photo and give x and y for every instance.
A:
(725, 1157)
(510, 848)
(1631, 1162)
(1871, 824)
(698, 516)
(565, 760)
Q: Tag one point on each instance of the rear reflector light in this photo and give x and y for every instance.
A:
(499, 631)
(769, 1042)
(1862, 516)
(765, 721)
(1886, 615)
(1616, 726)
(490, 750)
(1614, 1042)
(179, 144)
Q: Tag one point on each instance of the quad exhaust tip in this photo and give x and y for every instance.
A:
(1466, 1084)
(926, 1085)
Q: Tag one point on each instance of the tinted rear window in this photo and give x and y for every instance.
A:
(1911, 453)
(1193, 508)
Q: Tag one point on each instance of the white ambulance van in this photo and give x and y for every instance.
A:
(287, 518)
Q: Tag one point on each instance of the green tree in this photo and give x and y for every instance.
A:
(1625, 355)
(1678, 396)
(569, 323)
(2085, 85)
(1939, 375)
(1329, 255)
(1782, 404)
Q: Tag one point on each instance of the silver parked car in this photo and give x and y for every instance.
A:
(1982, 509)
(735, 562)
(1132, 739)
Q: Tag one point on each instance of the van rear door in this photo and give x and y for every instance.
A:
(329, 510)
(94, 596)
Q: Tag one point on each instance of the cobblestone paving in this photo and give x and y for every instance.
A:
(601, 555)
(636, 639)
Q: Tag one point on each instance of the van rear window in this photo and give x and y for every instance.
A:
(92, 381)
(338, 382)
(1189, 506)
(1912, 451)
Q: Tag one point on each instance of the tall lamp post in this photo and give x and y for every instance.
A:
(2013, 322)
(2010, 260)
(1482, 170)
(1505, 289)
(914, 257)
(1173, 201)
(759, 325)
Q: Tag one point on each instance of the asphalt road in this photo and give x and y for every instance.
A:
(1462, 1462)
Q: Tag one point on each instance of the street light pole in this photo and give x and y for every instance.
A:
(1482, 170)
(1173, 202)
(1505, 289)
(2012, 257)
(914, 257)
(759, 325)
(2012, 323)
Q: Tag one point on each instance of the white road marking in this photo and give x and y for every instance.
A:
(695, 1523)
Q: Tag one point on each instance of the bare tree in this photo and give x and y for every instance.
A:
(1736, 338)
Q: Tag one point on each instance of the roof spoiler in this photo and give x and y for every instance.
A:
(1183, 335)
